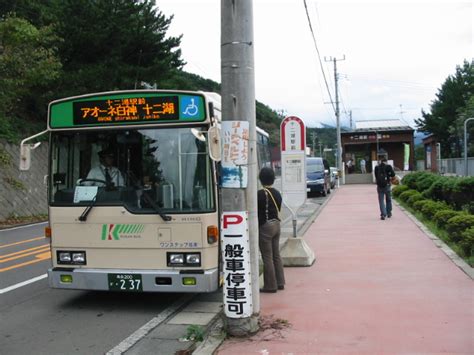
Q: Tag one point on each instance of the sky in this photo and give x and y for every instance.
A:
(393, 56)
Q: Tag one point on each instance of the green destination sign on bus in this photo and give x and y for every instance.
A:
(127, 108)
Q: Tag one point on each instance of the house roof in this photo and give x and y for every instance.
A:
(385, 125)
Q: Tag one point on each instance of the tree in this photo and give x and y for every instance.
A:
(28, 66)
(451, 101)
(115, 44)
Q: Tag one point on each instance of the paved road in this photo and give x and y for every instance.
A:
(38, 320)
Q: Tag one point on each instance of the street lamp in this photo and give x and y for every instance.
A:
(465, 145)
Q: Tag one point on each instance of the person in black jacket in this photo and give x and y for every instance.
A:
(269, 206)
(383, 174)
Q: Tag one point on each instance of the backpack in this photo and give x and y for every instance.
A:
(381, 175)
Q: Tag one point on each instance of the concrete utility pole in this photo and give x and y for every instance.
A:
(238, 104)
(338, 123)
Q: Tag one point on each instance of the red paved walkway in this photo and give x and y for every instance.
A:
(377, 287)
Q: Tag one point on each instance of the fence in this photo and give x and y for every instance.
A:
(453, 166)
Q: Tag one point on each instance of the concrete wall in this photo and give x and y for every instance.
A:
(22, 193)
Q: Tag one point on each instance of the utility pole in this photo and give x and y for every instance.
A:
(338, 123)
(238, 104)
(313, 136)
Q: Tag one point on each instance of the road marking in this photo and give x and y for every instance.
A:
(39, 258)
(139, 334)
(23, 253)
(23, 242)
(25, 226)
(24, 283)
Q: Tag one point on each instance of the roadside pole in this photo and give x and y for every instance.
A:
(241, 272)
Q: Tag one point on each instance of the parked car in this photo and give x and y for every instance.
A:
(334, 175)
(317, 176)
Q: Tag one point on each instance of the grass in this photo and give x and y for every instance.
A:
(439, 232)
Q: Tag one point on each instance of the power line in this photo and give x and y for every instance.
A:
(319, 56)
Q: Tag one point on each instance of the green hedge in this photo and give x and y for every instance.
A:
(404, 196)
(457, 192)
(441, 217)
(458, 224)
(467, 241)
(431, 207)
(397, 190)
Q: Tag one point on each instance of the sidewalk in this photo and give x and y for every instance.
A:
(377, 287)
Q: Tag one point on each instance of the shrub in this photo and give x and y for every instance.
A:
(418, 205)
(415, 197)
(462, 193)
(425, 181)
(449, 186)
(397, 190)
(411, 179)
(458, 224)
(431, 207)
(404, 196)
(441, 217)
(467, 242)
(435, 191)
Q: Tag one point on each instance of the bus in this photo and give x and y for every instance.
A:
(150, 222)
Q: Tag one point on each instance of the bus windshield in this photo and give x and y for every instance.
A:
(140, 169)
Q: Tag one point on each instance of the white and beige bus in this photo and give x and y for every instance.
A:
(133, 191)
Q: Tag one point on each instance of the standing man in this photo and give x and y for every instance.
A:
(362, 166)
(383, 173)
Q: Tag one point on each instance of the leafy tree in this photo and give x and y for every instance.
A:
(451, 102)
(28, 66)
(115, 44)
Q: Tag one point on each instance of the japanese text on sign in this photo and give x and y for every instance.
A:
(236, 258)
(126, 109)
(235, 151)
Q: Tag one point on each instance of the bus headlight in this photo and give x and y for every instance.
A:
(183, 259)
(71, 257)
(64, 257)
(193, 259)
(175, 259)
(79, 258)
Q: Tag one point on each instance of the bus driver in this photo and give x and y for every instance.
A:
(106, 171)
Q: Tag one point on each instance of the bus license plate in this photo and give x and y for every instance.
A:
(125, 282)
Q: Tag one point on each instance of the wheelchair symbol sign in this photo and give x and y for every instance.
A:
(189, 108)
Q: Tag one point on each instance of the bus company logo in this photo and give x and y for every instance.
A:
(121, 231)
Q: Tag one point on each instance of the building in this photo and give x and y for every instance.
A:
(432, 153)
(369, 140)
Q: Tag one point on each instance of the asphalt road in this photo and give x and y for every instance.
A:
(36, 319)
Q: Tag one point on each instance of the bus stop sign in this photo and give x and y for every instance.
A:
(293, 167)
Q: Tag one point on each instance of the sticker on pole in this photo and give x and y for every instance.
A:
(235, 152)
(236, 258)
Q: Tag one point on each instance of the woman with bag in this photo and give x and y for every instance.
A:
(269, 207)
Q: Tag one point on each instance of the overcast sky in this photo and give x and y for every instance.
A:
(397, 53)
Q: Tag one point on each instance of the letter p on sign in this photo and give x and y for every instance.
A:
(229, 219)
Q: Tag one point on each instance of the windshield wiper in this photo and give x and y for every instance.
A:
(157, 209)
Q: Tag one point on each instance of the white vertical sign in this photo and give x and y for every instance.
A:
(236, 259)
(235, 152)
(293, 161)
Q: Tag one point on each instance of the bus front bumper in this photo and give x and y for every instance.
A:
(141, 280)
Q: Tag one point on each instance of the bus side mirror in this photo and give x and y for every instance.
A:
(214, 143)
(25, 155)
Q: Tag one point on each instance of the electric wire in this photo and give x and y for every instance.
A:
(319, 55)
